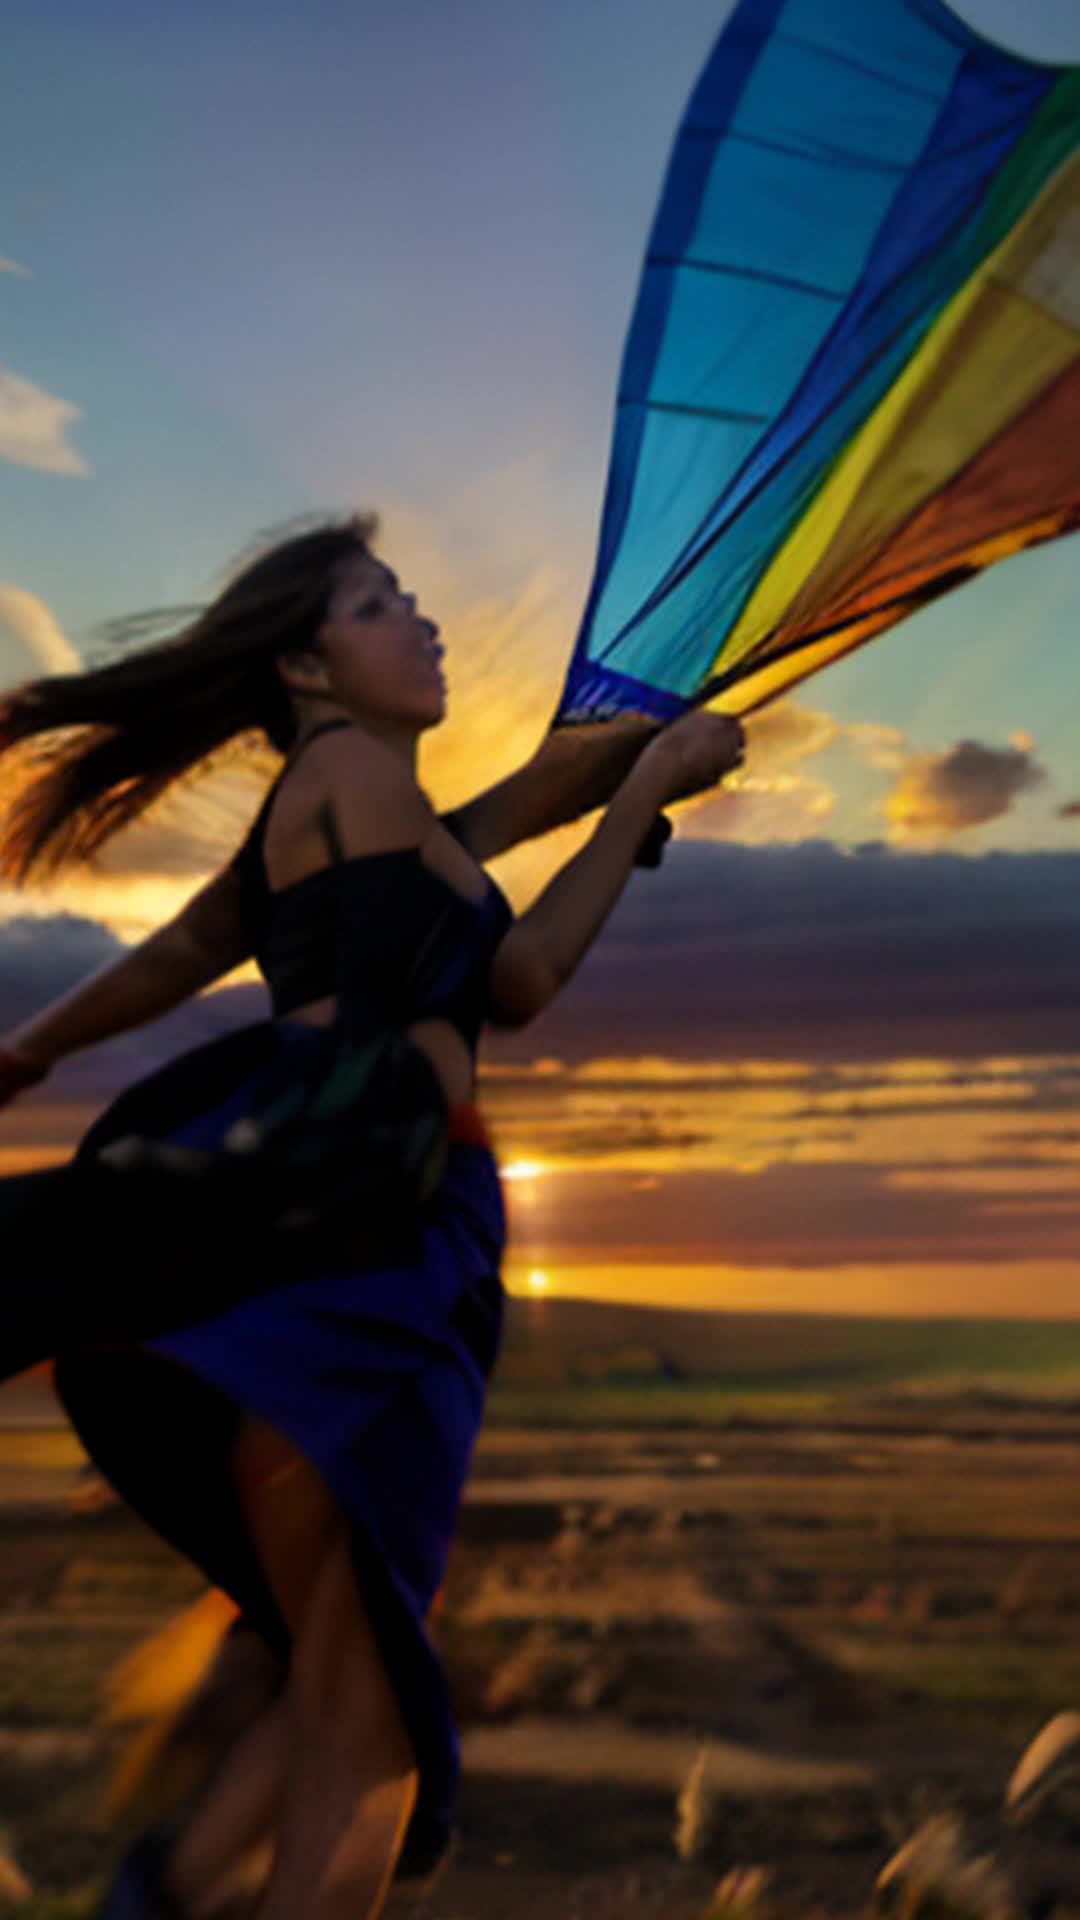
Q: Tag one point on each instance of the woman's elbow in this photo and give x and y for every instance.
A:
(521, 990)
(511, 1018)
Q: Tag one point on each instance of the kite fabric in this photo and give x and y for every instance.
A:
(852, 375)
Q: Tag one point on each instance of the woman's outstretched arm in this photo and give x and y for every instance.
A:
(207, 939)
(573, 771)
(547, 942)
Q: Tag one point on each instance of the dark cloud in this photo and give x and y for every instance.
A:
(811, 953)
(597, 1139)
(965, 787)
(726, 953)
(1070, 811)
(1029, 1088)
(790, 1215)
(43, 957)
(1039, 1098)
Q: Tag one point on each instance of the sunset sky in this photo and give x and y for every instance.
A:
(257, 261)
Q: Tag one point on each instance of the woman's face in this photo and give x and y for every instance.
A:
(381, 657)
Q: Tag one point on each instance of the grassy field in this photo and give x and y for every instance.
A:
(844, 1542)
(586, 1362)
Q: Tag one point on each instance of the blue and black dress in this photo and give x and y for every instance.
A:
(375, 1372)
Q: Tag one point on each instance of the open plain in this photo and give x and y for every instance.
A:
(784, 1636)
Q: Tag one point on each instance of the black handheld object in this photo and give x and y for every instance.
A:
(651, 851)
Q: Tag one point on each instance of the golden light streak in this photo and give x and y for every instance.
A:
(1033, 1290)
(657, 1067)
(523, 1170)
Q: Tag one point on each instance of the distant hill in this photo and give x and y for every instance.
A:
(561, 1339)
(623, 1360)
(595, 1343)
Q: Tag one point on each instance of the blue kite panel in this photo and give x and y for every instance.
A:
(825, 198)
(674, 452)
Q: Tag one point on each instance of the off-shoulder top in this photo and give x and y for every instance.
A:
(383, 928)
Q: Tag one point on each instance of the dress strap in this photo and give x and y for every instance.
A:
(329, 826)
(247, 860)
(326, 813)
(324, 726)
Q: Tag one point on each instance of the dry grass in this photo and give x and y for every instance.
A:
(695, 1809)
(938, 1875)
(590, 1579)
(742, 1894)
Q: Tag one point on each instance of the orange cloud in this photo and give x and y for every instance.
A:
(787, 732)
(776, 799)
(755, 809)
(940, 793)
(884, 748)
(772, 800)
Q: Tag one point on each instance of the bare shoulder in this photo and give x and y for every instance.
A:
(374, 798)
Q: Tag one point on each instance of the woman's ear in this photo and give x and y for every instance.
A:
(303, 670)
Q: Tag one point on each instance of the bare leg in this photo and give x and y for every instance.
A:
(333, 1774)
(228, 1841)
(352, 1780)
(234, 1815)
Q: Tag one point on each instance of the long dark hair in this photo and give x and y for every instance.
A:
(118, 735)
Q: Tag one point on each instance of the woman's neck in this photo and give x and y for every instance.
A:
(401, 740)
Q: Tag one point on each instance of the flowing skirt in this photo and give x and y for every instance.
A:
(376, 1372)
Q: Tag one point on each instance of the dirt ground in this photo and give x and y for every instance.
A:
(674, 1655)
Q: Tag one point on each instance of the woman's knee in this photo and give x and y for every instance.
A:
(342, 1694)
(342, 1701)
(288, 1509)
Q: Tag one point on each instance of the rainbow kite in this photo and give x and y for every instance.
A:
(852, 375)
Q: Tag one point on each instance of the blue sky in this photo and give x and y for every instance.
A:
(283, 258)
(256, 261)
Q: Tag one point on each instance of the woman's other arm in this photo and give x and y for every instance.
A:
(573, 771)
(548, 942)
(208, 938)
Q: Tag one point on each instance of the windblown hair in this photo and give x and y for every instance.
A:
(116, 736)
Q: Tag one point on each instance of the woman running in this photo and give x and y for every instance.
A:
(304, 1439)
